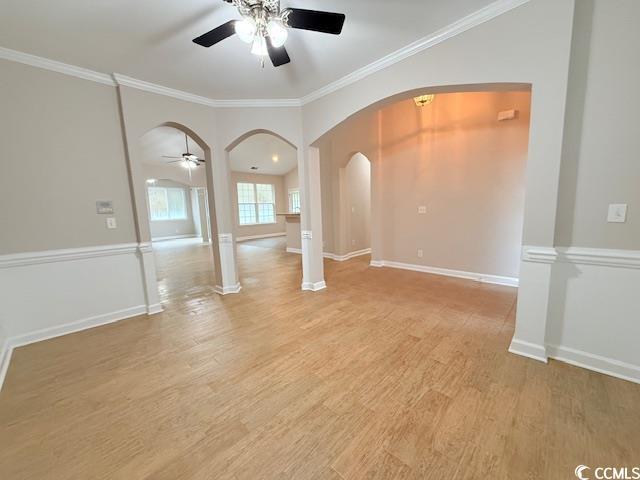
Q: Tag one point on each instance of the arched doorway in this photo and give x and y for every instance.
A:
(265, 202)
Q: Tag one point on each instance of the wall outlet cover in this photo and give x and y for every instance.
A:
(111, 223)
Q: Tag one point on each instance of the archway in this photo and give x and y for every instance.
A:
(265, 201)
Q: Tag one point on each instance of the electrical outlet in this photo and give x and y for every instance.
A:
(353, 242)
(420, 253)
(111, 223)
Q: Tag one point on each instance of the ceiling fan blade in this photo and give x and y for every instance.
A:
(175, 161)
(278, 56)
(325, 22)
(217, 34)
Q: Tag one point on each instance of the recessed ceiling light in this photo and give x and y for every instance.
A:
(275, 158)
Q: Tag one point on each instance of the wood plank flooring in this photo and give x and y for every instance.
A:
(386, 374)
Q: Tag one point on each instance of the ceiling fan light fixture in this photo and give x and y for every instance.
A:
(246, 29)
(277, 33)
(259, 46)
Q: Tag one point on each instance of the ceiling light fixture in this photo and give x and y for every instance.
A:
(275, 158)
(264, 26)
(423, 100)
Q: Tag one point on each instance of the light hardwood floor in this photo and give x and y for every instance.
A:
(386, 374)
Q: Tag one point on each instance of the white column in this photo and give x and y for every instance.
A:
(311, 219)
(220, 214)
(533, 303)
(150, 279)
(202, 211)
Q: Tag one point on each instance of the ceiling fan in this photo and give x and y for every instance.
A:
(264, 25)
(189, 160)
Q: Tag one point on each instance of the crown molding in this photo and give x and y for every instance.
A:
(123, 80)
(479, 17)
(476, 18)
(55, 66)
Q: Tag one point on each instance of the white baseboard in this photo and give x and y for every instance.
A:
(348, 256)
(174, 237)
(153, 309)
(257, 237)
(530, 350)
(294, 250)
(478, 277)
(60, 330)
(228, 290)
(313, 287)
(597, 363)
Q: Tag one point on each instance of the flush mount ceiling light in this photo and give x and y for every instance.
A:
(423, 100)
(275, 158)
(264, 26)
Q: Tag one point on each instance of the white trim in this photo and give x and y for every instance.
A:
(539, 254)
(597, 363)
(225, 238)
(155, 308)
(476, 18)
(55, 66)
(294, 250)
(257, 237)
(173, 237)
(528, 349)
(64, 255)
(60, 330)
(228, 290)
(478, 277)
(123, 80)
(313, 287)
(600, 256)
(348, 256)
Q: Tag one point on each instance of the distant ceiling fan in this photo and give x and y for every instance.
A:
(189, 160)
(264, 25)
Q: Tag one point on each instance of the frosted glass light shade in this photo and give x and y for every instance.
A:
(277, 33)
(246, 30)
(259, 46)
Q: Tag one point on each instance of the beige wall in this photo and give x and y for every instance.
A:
(281, 204)
(453, 157)
(355, 205)
(601, 160)
(61, 147)
(291, 182)
(172, 228)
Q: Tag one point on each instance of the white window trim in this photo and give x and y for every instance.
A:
(294, 190)
(255, 204)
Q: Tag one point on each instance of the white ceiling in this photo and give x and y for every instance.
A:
(166, 141)
(151, 40)
(258, 150)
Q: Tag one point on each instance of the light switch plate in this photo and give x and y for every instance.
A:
(617, 213)
(422, 209)
(111, 223)
(420, 253)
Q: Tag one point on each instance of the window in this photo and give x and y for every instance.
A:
(256, 203)
(167, 203)
(294, 201)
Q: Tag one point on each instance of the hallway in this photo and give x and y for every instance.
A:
(386, 374)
